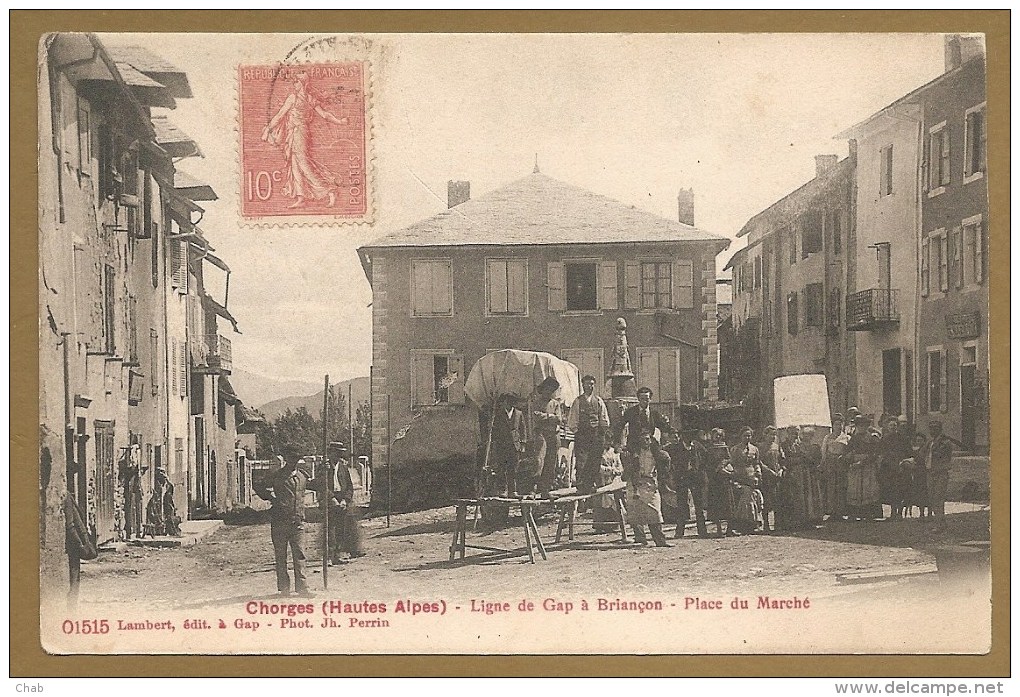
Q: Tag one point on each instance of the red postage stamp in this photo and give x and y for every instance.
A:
(304, 148)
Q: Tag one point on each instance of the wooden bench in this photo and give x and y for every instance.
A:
(567, 505)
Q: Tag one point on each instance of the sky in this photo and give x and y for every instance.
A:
(737, 117)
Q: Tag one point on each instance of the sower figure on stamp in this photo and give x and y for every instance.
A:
(589, 420)
(291, 129)
(285, 489)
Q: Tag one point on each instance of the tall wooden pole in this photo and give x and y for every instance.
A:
(389, 465)
(328, 489)
(350, 422)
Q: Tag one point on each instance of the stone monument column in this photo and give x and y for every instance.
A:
(623, 386)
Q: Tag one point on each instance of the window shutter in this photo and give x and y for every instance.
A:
(925, 265)
(423, 388)
(84, 137)
(958, 256)
(669, 375)
(942, 382)
(632, 285)
(456, 390)
(173, 366)
(648, 370)
(497, 273)
(517, 286)
(683, 284)
(154, 361)
(608, 298)
(979, 252)
(945, 168)
(556, 282)
(442, 287)
(421, 289)
(943, 262)
(182, 369)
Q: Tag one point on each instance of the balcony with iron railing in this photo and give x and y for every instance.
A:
(872, 309)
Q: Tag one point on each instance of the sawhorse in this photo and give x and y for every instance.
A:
(532, 538)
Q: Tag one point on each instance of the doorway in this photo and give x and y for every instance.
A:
(892, 371)
(105, 481)
(968, 394)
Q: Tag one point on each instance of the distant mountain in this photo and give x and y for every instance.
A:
(360, 390)
(256, 389)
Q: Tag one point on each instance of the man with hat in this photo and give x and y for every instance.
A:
(589, 420)
(938, 459)
(688, 457)
(285, 490)
(353, 498)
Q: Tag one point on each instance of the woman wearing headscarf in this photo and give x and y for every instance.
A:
(834, 470)
(863, 493)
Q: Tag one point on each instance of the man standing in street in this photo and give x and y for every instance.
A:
(285, 490)
(589, 420)
(937, 462)
(353, 498)
(640, 418)
(691, 475)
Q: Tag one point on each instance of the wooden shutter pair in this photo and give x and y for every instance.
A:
(608, 293)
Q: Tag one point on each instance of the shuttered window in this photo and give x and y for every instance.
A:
(182, 370)
(938, 157)
(431, 287)
(936, 380)
(506, 286)
(925, 266)
(556, 284)
(632, 285)
(659, 369)
(973, 251)
(885, 176)
(154, 361)
(436, 378)
(608, 297)
(957, 268)
(656, 284)
(683, 284)
(179, 264)
(943, 242)
(975, 141)
(588, 362)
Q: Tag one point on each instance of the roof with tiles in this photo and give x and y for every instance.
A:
(540, 210)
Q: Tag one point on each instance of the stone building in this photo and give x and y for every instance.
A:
(542, 265)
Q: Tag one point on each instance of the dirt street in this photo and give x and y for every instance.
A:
(411, 558)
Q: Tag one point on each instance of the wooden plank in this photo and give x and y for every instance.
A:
(885, 574)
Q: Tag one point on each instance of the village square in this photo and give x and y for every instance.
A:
(562, 397)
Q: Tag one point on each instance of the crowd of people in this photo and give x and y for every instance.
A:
(785, 479)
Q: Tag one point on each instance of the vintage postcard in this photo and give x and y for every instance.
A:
(514, 343)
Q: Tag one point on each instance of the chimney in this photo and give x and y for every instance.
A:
(457, 193)
(685, 206)
(824, 163)
(960, 49)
